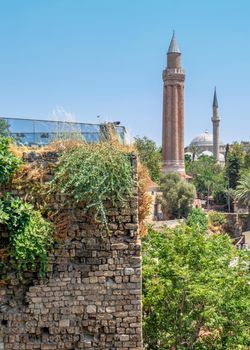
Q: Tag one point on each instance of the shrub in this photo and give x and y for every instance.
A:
(94, 174)
(8, 162)
(197, 218)
(29, 234)
(216, 218)
(177, 196)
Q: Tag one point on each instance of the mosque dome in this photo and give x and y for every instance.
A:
(207, 153)
(205, 139)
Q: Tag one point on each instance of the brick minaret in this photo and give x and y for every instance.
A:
(173, 112)
(216, 128)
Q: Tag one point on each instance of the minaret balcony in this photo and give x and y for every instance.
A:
(175, 71)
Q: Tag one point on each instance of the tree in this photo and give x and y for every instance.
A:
(177, 196)
(247, 159)
(195, 291)
(234, 164)
(150, 156)
(194, 150)
(4, 128)
(242, 193)
(207, 175)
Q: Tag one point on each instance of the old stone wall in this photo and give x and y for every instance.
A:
(91, 296)
(236, 223)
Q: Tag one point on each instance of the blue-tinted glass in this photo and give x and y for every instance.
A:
(90, 128)
(20, 125)
(64, 127)
(92, 137)
(45, 126)
(26, 139)
(43, 138)
(39, 132)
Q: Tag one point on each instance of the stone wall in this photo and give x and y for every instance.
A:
(91, 296)
(236, 223)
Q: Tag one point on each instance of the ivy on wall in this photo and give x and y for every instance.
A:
(8, 162)
(29, 234)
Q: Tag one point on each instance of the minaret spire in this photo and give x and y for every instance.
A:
(215, 102)
(173, 46)
(216, 127)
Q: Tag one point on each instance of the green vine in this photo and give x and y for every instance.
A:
(94, 174)
(29, 234)
(8, 162)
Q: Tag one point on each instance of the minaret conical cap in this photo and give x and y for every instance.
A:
(215, 101)
(173, 47)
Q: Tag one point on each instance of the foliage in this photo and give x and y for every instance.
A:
(188, 159)
(243, 189)
(29, 234)
(247, 158)
(207, 175)
(194, 150)
(197, 218)
(242, 192)
(150, 156)
(216, 218)
(195, 292)
(177, 195)
(144, 199)
(94, 174)
(8, 162)
(4, 128)
(234, 164)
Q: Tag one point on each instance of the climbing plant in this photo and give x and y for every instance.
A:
(29, 234)
(8, 162)
(94, 174)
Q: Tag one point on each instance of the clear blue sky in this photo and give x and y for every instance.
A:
(105, 57)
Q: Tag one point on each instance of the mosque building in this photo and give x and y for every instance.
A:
(209, 144)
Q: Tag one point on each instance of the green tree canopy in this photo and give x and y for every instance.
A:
(242, 193)
(150, 156)
(208, 178)
(247, 159)
(234, 164)
(195, 292)
(177, 195)
(4, 128)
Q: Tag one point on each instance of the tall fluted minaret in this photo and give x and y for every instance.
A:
(173, 112)
(216, 128)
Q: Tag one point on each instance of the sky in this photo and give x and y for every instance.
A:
(89, 58)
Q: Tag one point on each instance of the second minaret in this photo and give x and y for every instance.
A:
(216, 128)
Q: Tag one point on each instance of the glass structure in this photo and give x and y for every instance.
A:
(34, 132)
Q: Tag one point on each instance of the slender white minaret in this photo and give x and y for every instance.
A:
(216, 128)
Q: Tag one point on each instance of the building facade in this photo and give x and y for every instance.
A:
(173, 112)
(35, 132)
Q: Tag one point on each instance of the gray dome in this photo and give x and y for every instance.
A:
(204, 139)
